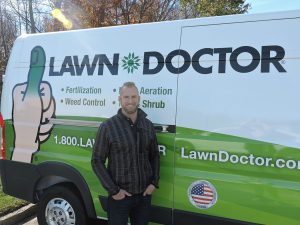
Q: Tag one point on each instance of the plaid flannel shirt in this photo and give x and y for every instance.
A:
(133, 162)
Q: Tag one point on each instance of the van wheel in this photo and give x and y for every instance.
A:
(60, 206)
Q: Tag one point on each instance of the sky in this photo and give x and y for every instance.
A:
(261, 6)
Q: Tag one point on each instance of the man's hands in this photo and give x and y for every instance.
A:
(122, 193)
(149, 190)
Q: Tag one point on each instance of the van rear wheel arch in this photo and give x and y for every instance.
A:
(59, 174)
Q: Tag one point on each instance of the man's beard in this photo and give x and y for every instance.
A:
(131, 111)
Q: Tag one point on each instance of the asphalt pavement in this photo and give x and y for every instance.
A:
(27, 216)
(33, 221)
(29, 221)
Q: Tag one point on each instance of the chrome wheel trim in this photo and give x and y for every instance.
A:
(59, 212)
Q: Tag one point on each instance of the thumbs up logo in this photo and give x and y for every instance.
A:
(33, 106)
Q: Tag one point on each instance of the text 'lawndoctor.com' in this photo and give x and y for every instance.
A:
(245, 159)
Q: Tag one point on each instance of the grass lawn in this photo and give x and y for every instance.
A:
(9, 204)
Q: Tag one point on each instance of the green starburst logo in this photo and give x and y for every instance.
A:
(130, 62)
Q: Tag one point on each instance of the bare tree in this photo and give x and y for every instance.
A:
(95, 13)
(199, 8)
(30, 14)
(32, 22)
(8, 33)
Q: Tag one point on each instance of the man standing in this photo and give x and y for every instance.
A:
(129, 143)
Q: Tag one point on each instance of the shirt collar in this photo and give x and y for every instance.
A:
(140, 114)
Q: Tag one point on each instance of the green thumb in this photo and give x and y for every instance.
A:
(36, 71)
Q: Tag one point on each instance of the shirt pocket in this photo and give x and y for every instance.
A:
(120, 144)
(145, 140)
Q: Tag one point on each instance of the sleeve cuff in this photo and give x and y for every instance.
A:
(115, 191)
(155, 185)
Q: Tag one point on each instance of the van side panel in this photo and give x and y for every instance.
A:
(237, 142)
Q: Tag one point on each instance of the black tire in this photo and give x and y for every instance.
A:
(57, 196)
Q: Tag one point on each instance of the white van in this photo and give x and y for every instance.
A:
(221, 91)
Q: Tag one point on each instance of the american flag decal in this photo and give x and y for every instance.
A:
(202, 194)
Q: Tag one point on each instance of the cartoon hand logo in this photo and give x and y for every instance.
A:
(33, 106)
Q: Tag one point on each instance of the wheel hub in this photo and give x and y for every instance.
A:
(59, 212)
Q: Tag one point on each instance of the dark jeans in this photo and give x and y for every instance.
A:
(136, 207)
